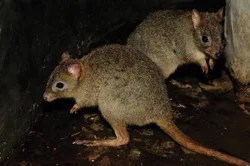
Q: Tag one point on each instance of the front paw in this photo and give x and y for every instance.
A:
(211, 64)
(204, 68)
(74, 109)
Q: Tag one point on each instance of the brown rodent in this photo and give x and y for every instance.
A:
(173, 38)
(129, 90)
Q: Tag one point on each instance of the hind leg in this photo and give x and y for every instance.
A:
(122, 137)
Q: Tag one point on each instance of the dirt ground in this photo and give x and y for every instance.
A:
(211, 117)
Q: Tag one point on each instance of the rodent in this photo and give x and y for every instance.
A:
(171, 38)
(128, 88)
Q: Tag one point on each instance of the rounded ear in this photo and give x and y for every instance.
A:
(196, 18)
(75, 68)
(64, 57)
(220, 14)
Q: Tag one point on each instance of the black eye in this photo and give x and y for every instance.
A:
(59, 85)
(204, 39)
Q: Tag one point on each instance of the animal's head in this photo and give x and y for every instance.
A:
(64, 80)
(208, 32)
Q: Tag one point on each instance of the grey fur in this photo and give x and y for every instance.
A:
(173, 38)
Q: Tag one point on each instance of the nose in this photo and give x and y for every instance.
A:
(214, 54)
(46, 96)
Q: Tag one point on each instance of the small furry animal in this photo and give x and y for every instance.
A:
(129, 90)
(173, 38)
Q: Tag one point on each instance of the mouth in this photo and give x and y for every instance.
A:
(213, 56)
(48, 97)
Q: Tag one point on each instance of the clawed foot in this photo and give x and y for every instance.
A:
(88, 142)
(180, 85)
(204, 69)
(211, 63)
(74, 109)
(107, 142)
(245, 110)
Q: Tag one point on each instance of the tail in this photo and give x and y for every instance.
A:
(171, 129)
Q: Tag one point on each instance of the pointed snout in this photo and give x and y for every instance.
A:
(47, 96)
(217, 55)
(214, 55)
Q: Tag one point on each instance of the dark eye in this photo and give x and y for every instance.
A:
(59, 85)
(204, 39)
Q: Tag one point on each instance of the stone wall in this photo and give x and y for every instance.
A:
(19, 82)
(237, 33)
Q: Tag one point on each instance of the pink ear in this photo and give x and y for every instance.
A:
(196, 18)
(65, 56)
(219, 14)
(74, 68)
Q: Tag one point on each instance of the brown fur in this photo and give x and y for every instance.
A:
(129, 90)
(172, 38)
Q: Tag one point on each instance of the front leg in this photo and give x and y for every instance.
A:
(122, 137)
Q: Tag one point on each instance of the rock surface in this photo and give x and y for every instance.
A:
(237, 33)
